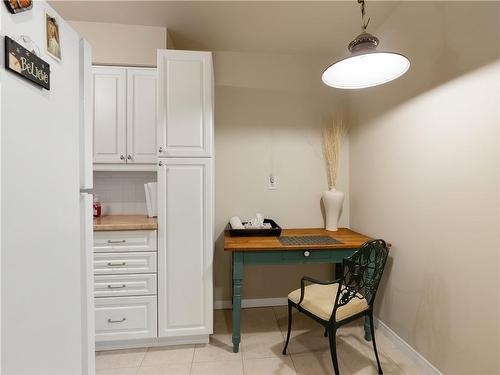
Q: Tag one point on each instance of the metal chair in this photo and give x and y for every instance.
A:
(335, 303)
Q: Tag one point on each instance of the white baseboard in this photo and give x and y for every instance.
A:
(407, 349)
(146, 343)
(255, 302)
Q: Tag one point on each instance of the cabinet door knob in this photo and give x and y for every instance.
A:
(122, 157)
(306, 253)
(160, 164)
(129, 157)
(160, 150)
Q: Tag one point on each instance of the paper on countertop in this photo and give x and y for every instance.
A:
(151, 192)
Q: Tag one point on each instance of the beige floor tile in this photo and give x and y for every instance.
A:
(218, 368)
(307, 341)
(359, 358)
(406, 364)
(259, 320)
(166, 369)
(269, 366)
(300, 321)
(316, 363)
(131, 358)
(157, 357)
(262, 345)
(220, 348)
(117, 371)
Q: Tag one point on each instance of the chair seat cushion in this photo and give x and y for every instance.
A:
(319, 300)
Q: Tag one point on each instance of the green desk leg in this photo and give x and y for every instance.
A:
(368, 332)
(237, 281)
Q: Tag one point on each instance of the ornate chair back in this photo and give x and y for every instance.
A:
(362, 273)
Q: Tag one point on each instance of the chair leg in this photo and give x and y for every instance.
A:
(326, 332)
(289, 327)
(332, 333)
(372, 328)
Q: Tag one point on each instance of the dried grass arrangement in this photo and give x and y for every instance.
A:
(332, 141)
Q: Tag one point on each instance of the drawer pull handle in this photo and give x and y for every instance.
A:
(116, 287)
(307, 253)
(117, 241)
(116, 264)
(117, 321)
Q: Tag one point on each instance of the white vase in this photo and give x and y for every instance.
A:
(332, 200)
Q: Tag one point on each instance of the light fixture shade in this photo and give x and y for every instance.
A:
(365, 69)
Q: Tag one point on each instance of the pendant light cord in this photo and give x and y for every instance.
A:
(364, 24)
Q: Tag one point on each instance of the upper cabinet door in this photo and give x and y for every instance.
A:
(185, 104)
(110, 137)
(141, 115)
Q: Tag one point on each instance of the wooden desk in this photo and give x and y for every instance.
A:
(269, 250)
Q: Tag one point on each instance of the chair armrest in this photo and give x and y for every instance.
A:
(314, 281)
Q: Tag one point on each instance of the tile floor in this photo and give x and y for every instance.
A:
(263, 335)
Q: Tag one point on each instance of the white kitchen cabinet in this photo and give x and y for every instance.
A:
(124, 116)
(123, 263)
(185, 246)
(185, 113)
(124, 240)
(141, 115)
(125, 285)
(110, 115)
(125, 318)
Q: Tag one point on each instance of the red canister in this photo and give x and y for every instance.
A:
(97, 206)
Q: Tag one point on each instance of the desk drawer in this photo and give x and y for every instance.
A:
(125, 318)
(125, 240)
(124, 285)
(124, 263)
(306, 255)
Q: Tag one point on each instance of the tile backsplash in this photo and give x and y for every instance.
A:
(122, 193)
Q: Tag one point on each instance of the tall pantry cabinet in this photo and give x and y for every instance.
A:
(185, 193)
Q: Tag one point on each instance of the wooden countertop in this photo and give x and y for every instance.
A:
(125, 222)
(348, 240)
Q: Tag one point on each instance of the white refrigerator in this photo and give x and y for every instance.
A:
(46, 301)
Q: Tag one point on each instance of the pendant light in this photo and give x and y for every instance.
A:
(365, 67)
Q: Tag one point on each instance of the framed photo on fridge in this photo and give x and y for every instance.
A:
(52, 37)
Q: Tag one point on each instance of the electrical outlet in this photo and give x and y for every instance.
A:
(272, 182)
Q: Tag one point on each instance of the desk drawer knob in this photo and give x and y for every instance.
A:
(307, 253)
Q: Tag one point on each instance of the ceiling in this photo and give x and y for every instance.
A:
(296, 27)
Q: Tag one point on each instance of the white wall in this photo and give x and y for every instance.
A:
(266, 122)
(424, 165)
(116, 44)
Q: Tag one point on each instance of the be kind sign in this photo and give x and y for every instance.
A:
(18, 59)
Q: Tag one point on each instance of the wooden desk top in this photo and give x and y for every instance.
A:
(348, 238)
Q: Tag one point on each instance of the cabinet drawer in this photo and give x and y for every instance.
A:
(125, 240)
(124, 285)
(123, 318)
(118, 263)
